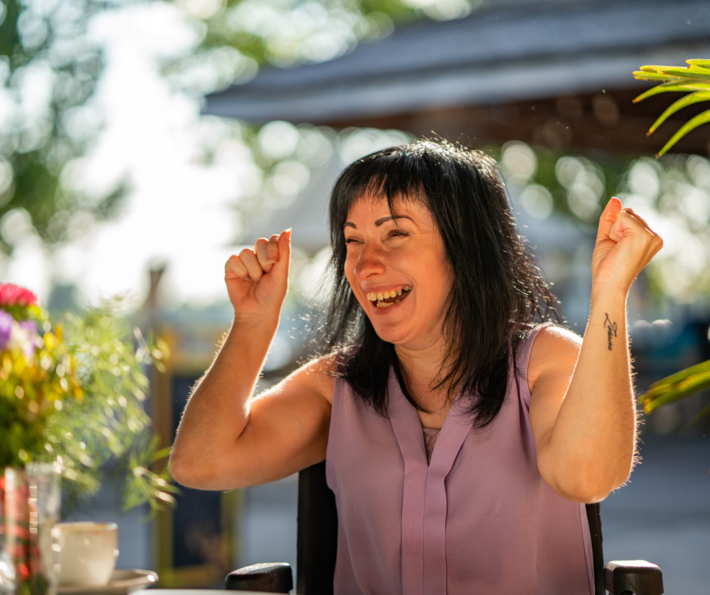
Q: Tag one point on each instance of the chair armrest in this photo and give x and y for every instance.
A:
(270, 578)
(633, 576)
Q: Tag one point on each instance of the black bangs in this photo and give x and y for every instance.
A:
(496, 292)
(392, 174)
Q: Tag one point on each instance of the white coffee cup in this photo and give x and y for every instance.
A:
(88, 553)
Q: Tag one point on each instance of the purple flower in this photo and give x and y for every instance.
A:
(6, 322)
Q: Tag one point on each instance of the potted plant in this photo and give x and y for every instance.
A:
(71, 399)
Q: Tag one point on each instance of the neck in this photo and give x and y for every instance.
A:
(421, 368)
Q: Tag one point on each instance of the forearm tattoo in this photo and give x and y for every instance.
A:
(610, 330)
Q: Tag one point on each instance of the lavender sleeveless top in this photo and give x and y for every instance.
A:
(478, 519)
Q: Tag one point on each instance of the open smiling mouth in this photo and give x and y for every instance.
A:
(385, 299)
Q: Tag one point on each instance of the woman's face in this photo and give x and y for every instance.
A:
(398, 271)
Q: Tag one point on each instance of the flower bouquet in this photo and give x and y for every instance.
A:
(71, 400)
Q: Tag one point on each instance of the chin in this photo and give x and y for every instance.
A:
(389, 334)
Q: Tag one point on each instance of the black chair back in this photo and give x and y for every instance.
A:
(318, 535)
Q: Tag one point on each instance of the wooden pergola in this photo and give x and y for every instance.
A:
(555, 73)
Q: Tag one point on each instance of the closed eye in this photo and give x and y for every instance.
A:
(396, 232)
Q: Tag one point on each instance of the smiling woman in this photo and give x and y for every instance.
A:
(435, 218)
(462, 429)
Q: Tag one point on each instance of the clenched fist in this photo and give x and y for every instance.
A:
(257, 280)
(625, 245)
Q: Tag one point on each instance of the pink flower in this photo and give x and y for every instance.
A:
(14, 295)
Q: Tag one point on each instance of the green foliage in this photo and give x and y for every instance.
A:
(678, 386)
(239, 37)
(79, 399)
(110, 422)
(694, 79)
(47, 45)
(48, 72)
(141, 483)
(578, 186)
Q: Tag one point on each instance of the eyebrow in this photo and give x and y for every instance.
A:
(380, 221)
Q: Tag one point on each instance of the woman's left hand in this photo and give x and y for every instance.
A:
(625, 245)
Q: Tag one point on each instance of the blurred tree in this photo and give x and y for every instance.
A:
(49, 66)
(239, 35)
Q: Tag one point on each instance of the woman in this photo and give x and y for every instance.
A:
(461, 437)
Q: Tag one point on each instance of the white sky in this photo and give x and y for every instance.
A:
(180, 211)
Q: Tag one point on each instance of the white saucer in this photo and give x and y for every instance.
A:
(121, 583)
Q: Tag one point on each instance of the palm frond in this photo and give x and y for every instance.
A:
(695, 79)
(672, 87)
(701, 63)
(696, 97)
(698, 120)
(676, 387)
(655, 76)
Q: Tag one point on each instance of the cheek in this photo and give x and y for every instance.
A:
(439, 281)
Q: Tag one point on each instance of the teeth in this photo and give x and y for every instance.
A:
(379, 296)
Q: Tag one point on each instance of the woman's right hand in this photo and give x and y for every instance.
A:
(257, 280)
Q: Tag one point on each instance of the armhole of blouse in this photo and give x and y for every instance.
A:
(524, 360)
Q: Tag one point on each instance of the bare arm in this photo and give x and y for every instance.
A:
(582, 408)
(228, 440)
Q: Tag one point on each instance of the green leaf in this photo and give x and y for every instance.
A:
(678, 105)
(674, 395)
(698, 120)
(672, 87)
(690, 73)
(676, 386)
(701, 63)
(161, 454)
(652, 68)
(654, 76)
(682, 375)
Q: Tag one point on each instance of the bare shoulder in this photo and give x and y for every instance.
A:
(315, 378)
(554, 353)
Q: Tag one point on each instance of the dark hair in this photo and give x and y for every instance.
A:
(497, 292)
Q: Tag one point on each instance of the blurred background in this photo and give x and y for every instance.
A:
(143, 142)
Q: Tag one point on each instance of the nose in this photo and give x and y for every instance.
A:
(369, 262)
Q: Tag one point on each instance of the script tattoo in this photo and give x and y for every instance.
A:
(610, 329)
